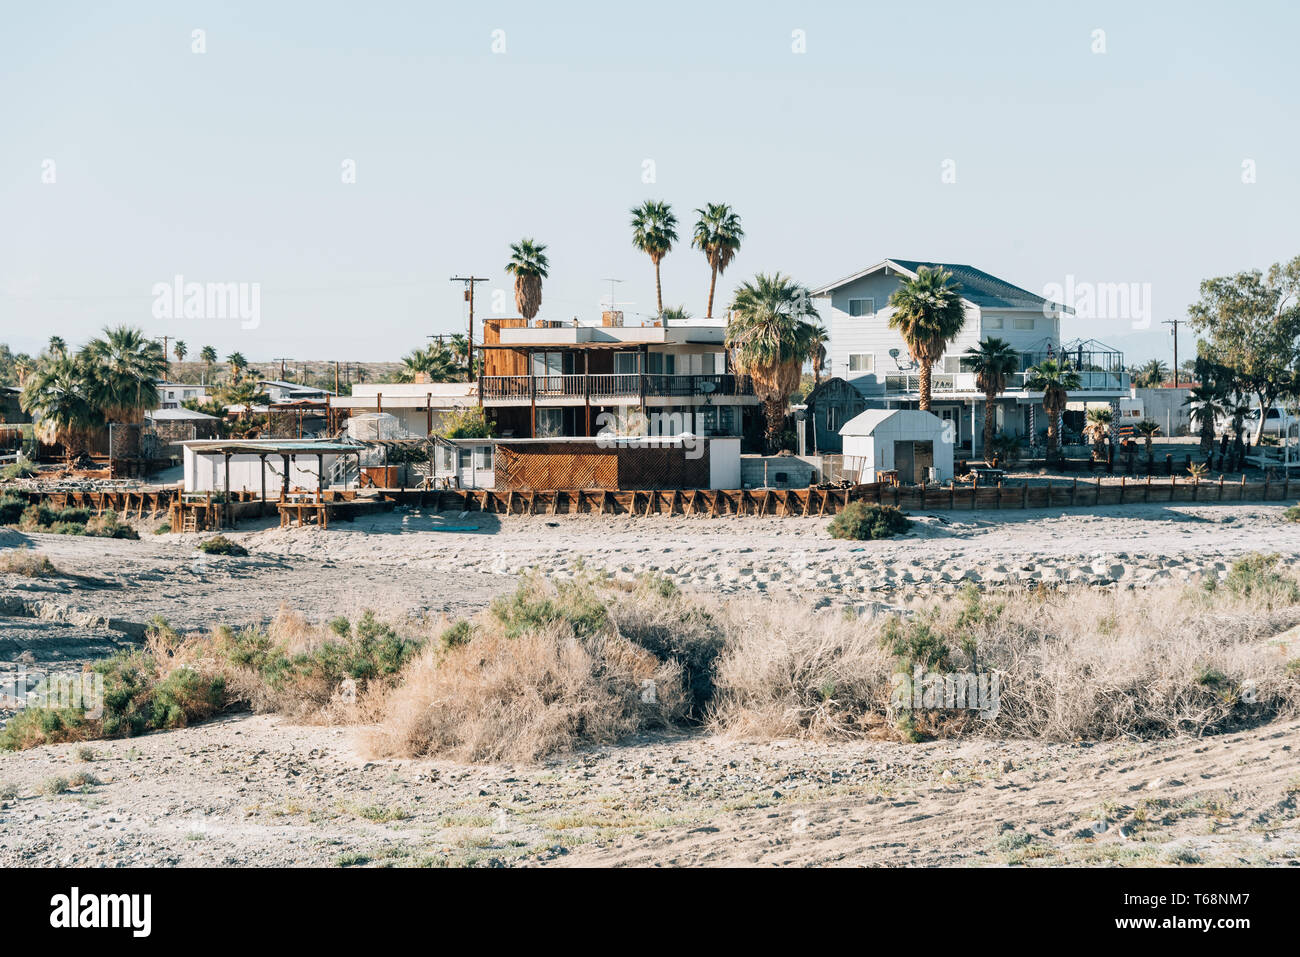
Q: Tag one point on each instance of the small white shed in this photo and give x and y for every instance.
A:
(907, 441)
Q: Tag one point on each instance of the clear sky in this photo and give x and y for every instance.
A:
(227, 166)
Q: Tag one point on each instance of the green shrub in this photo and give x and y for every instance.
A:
(1255, 576)
(860, 522)
(458, 634)
(106, 525)
(533, 607)
(11, 509)
(915, 641)
(16, 470)
(1292, 514)
(163, 529)
(220, 545)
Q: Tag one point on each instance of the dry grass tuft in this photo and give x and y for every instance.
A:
(23, 561)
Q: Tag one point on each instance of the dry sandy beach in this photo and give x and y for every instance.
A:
(251, 789)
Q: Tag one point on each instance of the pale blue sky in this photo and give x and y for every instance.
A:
(226, 166)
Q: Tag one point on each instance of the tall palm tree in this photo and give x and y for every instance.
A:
(992, 361)
(435, 362)
(1206, 405)
(180, 350)
(23, 367)
(718, 235)
(55, 396)
(208, 356)
(56, 347)
(1097, 429)
(770, 334)
(237, 364)
(1054, 378)
(123, 368)
(245, 394)
(1148, 428)
(928, 312)
(529, 265)
(654, 230)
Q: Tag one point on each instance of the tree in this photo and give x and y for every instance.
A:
(717, 235)
(237, 364)
(771, 336)
(654, 230)
(819, 340)
(1148, 428)
(208, 356)
(992, 361)
(1253, 324)
(435, 362)
(56, 347)
(674, 314)
(122, 368)
(1097, 429)
(1206, 405)
(55, 396)
(1151, 374)
(1054, 379)
(180, 350)
(928, 313)
(244, 394)
(529, 265)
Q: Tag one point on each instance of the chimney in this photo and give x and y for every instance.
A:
(611, 317)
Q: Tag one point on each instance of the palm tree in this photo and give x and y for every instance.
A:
(208, 356)
(718, 235)
(245, 394)
(819, 340)
(529, 265)
(992, 361)
(123, 368)
(1151, 375)
(23, 367)
(1148, 428)
(459, 346)
(180, 350)
(55, 396)
(56, 347)
(928, 313)
(771, 337)
(1206, 406)
(237, 364)
(435, 362)
(1097, 429)
(1054, 379)
(654, 230)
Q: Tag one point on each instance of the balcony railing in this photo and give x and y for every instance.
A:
(615, 385)
(965, 382)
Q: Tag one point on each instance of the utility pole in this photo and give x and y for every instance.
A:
(469, 282)
(1174, 324)
(282, 362)
(336, 376)
(166, 356)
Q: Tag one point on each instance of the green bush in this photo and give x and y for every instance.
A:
(532, 607)
(11, 509)
(860, 522)
(220, 545)
(1255, 576)
(1292, 514)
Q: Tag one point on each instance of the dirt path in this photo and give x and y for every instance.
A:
(256, 790)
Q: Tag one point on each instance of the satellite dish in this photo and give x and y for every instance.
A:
(893, 353)
(707, 386)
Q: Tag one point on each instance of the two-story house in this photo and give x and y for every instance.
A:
(874, 358)
(172, 394)
(555, 379)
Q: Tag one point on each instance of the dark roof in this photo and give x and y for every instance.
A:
(979, 287)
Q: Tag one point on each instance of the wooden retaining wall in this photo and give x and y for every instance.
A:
(813, 501)
(126, 504)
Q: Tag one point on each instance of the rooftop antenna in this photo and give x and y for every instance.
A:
(613, 304)
(469, 282)
(282, 361)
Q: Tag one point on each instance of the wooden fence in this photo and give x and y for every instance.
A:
(814, 501)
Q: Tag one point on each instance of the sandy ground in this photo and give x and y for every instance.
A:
(256, 790)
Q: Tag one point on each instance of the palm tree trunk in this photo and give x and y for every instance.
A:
(774, 413)
(712, 283)
(989, 419)
(1051, 430)
(925, 386)
(659, 290)
(1207, 433)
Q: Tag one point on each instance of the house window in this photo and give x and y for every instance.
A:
(992, 322)
(660, 363)
(956, 364)
(862, 362)
(862, 307)
(625, 363)
(550, 422)
(832, 419)
(1024, 323)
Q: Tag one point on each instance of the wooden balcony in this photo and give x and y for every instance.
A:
(602, 387)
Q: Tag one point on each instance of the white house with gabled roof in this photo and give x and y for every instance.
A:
(864, 350)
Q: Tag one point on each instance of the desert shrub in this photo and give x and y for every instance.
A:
(469, 423)
(1257, 578)
(220, 545)
(861, 521)
(163, 529)
(534, 604)
(457, 634)
(23, 561)
(11, 509)
(106, 525)
(1292, 514)
(16, 470)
